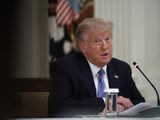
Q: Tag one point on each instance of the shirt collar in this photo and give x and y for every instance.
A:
(95, 69)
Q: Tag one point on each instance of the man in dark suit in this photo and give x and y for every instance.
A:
(75, 82)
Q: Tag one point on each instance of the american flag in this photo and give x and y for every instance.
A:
(65, 14)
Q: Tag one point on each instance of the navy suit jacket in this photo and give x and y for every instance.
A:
(73, 90)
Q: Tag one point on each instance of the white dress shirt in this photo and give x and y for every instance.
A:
(94, 70)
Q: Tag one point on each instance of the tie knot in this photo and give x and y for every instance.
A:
(101, 73)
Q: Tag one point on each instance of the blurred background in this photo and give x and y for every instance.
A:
(33, 36)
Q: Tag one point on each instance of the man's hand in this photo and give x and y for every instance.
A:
(124, 102)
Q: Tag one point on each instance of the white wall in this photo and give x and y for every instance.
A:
(29, 43)
(136, 37)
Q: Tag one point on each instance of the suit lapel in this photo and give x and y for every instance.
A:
(87, 75)
(113, 77)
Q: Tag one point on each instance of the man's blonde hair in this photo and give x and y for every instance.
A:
(92, 24)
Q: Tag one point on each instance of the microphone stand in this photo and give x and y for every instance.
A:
(158, 100)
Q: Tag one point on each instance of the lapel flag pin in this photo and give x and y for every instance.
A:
(116, 76)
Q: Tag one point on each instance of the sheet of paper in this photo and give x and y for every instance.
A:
(133, 111)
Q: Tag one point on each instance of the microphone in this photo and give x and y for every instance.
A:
(137, 66)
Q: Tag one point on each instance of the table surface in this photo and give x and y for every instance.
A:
(89, 118)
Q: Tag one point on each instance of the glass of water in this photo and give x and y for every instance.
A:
(111, 102)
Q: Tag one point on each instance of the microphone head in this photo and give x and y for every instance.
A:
(135, 64)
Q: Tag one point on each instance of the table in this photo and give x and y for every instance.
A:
(89, 118)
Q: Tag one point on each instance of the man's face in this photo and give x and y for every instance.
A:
(98, 47)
